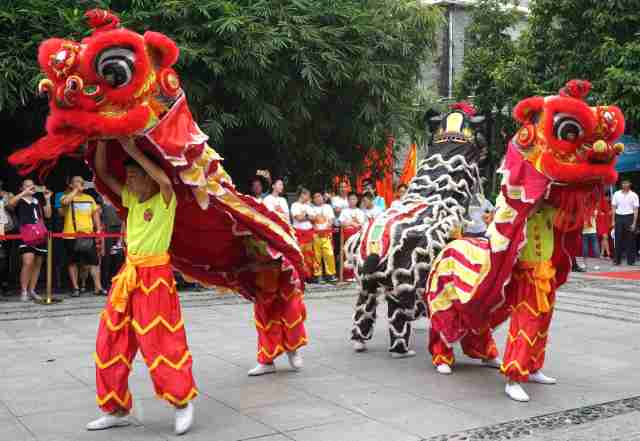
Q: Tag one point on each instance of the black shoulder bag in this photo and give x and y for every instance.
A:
(82, 245)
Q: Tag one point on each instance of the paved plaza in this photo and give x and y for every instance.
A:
(47, 377)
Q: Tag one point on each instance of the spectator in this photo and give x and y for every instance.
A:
(369, 208)
(31, 207)
(322, 217)
(378, 201)
(113, 249)
(352, 216)
(81, 215)
(340, 201)
(625, 208)
(603, 225)
(351, 221)
(6, 227)
(260, 182)
(301, 214)
(400, 191)
(275, 202)
(589, 240)
(480, 213)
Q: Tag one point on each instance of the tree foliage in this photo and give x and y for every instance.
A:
(560, 40)
(291, 85)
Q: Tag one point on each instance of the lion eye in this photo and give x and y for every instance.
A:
(116, 66)
(566, 128)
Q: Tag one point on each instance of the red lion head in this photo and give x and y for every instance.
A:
(566, 139)
(113, 83)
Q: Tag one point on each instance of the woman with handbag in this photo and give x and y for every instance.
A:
(31, 212)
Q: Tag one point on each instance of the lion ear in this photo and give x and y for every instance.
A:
(526, 109)
(164, 50)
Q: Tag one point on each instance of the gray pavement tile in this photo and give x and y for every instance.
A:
(69, 425)
(301, 414)
(265, 393)
(11, 429)
(350, 431)
(213, 421)
(46, 399)
(47, 381)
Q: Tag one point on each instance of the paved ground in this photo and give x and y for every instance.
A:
(47, 383)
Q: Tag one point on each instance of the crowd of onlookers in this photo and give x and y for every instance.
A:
(79, 263)
(323, 221)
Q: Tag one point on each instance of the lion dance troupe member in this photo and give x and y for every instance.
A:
(143, 308)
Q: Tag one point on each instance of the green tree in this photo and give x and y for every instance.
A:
(490, 62)
(291, 85)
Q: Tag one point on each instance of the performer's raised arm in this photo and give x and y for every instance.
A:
(103, 173)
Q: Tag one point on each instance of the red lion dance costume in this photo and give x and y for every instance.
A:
(117, 83)
(554, 173)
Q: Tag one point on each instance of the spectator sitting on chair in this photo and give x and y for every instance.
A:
(31, 209)
(81, 215)
(625, 208)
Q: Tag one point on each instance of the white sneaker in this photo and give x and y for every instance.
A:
(359, 346)
(107, 422)
(295, 360)
(493, 363)
(184, 419)
(24, 297)
(408, 354)
(540, 378)
(444, 369)
(516, 392)
(262, 369)
(35, 296)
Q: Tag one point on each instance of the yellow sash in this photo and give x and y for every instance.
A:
(127, 280)
(539, 274)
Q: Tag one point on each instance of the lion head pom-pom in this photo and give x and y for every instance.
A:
(578, 89)
(102, 20)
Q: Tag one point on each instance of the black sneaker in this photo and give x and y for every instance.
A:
(331, 279)
(100, 292)
(75, 293)
(316, 280)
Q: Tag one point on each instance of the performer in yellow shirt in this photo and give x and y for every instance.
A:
(143, 308)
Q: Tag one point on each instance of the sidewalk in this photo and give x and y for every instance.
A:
(47, 378)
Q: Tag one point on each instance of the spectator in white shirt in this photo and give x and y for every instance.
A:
(323, 219)
(352, 217)
(400, 191)
(340, 201)
(480, 213)
(625, 208)
(301, 213)
(370, 210)
(275, 202)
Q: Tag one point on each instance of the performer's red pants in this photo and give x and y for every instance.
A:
(151, 321)
(476, 345)
(533, 292)
(279, 321)
(305, 239)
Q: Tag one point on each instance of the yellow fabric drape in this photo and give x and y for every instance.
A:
(540, 275)
(127, 280)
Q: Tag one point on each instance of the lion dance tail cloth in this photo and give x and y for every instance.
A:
(553, 173)
(117, 83)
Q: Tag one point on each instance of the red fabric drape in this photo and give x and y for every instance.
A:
(384, 167)
(410, 165)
